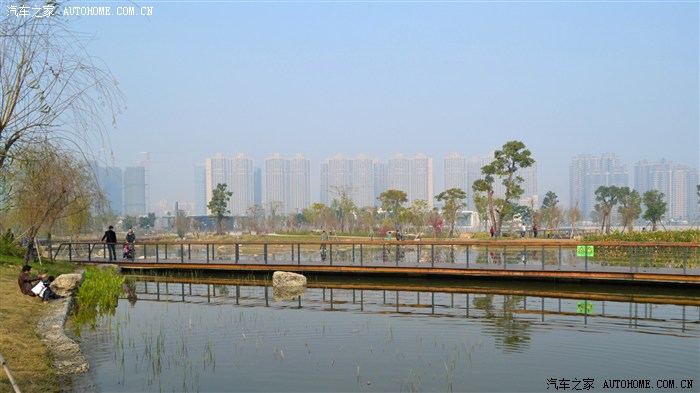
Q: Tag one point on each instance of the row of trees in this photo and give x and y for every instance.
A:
(344, 216)
(629, 208)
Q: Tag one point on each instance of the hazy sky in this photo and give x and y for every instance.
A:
(381, 78)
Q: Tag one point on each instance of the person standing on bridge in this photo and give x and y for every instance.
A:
(130, 236)
(129, 250)
(110, 237)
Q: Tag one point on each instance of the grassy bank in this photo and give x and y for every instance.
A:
(24, 352)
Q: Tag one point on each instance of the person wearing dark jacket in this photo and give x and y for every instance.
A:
(130, 236)
(25, 280)
(110, 237)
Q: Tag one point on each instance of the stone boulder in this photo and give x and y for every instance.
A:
(65, 284)
(287, 279)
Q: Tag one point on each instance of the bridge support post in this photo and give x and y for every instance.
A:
(559, 257)
(542, 258)
(397, 255)
(466, 250)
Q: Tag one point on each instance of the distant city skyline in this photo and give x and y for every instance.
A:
(286, 181)
(384, 78)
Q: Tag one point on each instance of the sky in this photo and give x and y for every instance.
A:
(382, 78)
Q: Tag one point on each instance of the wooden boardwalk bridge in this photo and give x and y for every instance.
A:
(555, 260)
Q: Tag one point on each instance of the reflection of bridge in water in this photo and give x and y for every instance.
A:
(535, 259)
(646, 312)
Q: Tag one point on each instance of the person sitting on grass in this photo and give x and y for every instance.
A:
(25, 280)
(43, 290)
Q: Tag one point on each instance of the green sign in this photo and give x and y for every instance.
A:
(585, 251)
(584, 307)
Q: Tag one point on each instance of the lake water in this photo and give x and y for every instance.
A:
(344, 335)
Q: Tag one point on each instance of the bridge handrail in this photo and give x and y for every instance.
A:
(456, 242)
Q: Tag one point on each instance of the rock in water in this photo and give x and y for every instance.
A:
(287, 279)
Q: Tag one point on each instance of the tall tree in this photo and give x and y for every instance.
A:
(574, 216)
(454, 199)
(550, 211)
(345, 209)
(655, 207)
(368, 218)
(313, 214)
(182, 223)
(273, 210)
(255, 219)
(52, 88)
(607, 197)
(219, 205)
(630, 207)
(550, 199)
(507, 161)
(392, 203)
(420, 212)
(481, 205)
(146, 222)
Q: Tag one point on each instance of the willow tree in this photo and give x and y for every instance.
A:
(52, 88)
(49, 185)
(512, 157)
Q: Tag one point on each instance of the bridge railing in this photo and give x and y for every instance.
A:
(671, 258)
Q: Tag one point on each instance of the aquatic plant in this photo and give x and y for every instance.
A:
(96, 297)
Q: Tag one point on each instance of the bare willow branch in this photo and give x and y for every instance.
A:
(52, 88)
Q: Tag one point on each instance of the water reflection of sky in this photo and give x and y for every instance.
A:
(197, 337)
